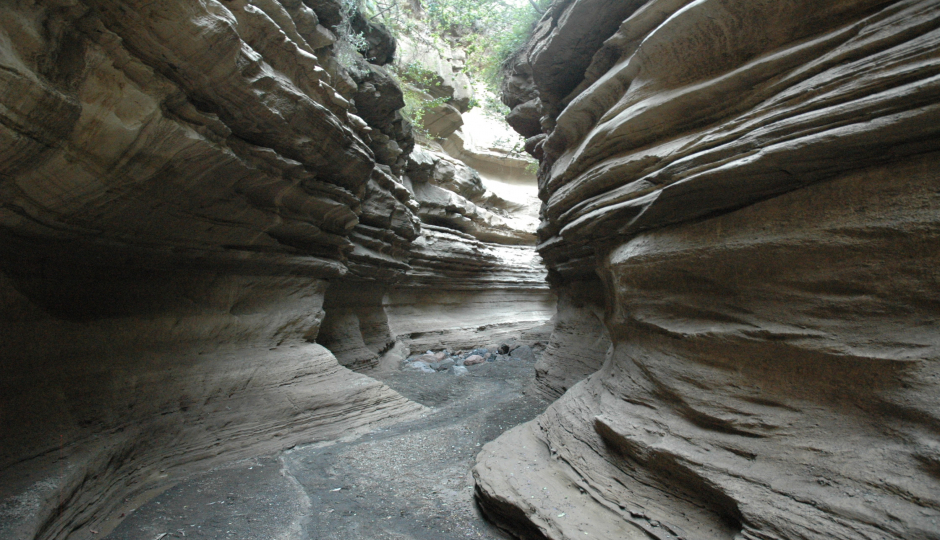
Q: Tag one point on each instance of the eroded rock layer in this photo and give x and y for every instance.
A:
(757, 185)
(204, 210)
(114, 384)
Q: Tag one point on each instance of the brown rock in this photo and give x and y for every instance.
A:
(762, 214)
(473, 360)
(196, 236)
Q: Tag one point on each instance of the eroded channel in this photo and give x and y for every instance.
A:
(408, 481)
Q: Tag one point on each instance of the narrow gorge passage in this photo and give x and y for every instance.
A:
(220, 227)
(259, 259)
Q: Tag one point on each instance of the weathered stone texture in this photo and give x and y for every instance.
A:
(181, 184)
(115, 383)
(756, 184)
(579, 342)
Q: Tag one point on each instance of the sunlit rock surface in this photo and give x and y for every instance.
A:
(452, 195)
(757, 186)
(204, 218)
(442, 77)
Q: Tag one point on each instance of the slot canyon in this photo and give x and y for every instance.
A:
(245, 295)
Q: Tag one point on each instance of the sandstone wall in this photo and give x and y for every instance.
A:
(756, 186)
(117, 383)
(191, 193)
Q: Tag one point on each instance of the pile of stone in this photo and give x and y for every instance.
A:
(458, 362)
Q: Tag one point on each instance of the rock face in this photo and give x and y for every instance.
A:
(579, 343)
(203, 218)
(452, 195)
(756, 186)
(463, 290)
(440, 75)
(443, 66)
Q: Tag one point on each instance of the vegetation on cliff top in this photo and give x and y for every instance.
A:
(489, 31)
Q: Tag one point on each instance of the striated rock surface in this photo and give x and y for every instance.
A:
(579, 342)
(756, 185)
(116, 384)
(452, 195)
(204, 221)
(461, 291)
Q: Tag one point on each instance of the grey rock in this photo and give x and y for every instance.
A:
(446, 364)
(379, 41)
(417, 365)
(523, 352)
(736, 193)
(524, 118)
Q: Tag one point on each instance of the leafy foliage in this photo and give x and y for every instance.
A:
(417, 106)
(490, 31)
(493, 107)
(414, 79)
(419, 76)
(349, 42)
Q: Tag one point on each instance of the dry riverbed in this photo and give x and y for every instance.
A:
(409, 481)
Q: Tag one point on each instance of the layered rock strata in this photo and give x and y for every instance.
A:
(756, 185)
(452, 195)
(190, 194)
(462, 291)
(116, 384)
(579, 342)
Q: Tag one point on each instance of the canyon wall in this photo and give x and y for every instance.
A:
(752, 190)
(205, 218)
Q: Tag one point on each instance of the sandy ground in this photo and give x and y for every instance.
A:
(410, 481)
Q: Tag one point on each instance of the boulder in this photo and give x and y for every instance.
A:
(473, 360)
(525, 118)
(523, 352)
(446, 364)
(380, 44)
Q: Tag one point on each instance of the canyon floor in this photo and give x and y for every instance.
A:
(409, 481)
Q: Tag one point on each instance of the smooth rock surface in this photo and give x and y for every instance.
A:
(145, 397)
(756, 186)
(202, 209)
(579, 343)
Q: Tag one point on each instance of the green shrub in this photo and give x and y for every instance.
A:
(490, 31)
(418, 75)
(414, 79)
(348, 42)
